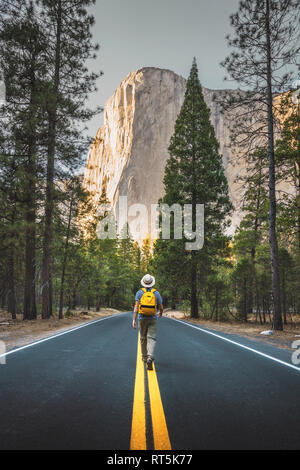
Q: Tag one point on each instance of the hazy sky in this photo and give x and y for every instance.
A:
(159, 33)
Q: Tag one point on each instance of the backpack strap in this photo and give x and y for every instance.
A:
(143, 289)
(154, 290)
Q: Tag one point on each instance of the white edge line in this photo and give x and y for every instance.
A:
(60, 334)
(237, 344)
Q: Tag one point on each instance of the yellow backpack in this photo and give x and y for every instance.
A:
(147, 304)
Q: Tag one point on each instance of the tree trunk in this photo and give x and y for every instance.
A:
(297, 171)
(194, 293)
(98, 303)
(2, 296)
(30, 312)
(52, 116)
(245, 311)
(253, 248)
(277, 317)
(284, 297)
(264, 311)
(64, 264)
(259, 314)
(217, 304)
(61, 293)
(74, 299)
(194, 299)
(11, 299)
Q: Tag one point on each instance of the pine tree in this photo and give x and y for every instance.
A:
(146, 253)
(67, 228)
(23, 63)
(44, 49)
(194, 175)
(127, 273)
(70, 46)
(170, 266)
(10, 227)
(265, 42)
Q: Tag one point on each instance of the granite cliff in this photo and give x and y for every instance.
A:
(132, 145)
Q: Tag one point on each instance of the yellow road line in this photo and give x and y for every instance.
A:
(159, 425)
(138, 427)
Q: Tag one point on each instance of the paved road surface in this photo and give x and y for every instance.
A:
(86, 390)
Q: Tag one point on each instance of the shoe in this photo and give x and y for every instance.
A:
(150, 364)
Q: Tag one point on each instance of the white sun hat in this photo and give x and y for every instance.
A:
(148, 280)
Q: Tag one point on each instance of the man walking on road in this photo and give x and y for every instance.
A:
(147, 301)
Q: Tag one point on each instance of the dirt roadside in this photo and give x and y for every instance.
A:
(281, 339)
(17, 333)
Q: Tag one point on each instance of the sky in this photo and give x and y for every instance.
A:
(159, 33)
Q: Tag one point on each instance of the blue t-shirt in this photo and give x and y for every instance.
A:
(138, 297)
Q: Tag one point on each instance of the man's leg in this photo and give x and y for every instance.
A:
(143, 326)
(151, 338)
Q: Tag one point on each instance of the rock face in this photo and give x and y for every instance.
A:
(129, 152)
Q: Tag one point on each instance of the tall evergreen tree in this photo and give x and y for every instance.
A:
(67, 225)
(194, 175)
(44, 49)
(265, 41)
(23, 63)
(146, 253)
(70, 46)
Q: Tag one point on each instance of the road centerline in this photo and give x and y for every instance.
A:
(147, 382)
(159, 425)
(138, 426)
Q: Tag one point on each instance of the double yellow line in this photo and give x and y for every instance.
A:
(138, 439)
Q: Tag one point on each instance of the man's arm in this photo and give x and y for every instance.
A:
(135, 312)
(160, 304)
(161, 310)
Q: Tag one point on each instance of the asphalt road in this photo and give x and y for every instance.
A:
(77, 391)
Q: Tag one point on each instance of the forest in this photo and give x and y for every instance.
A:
(50, 264)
